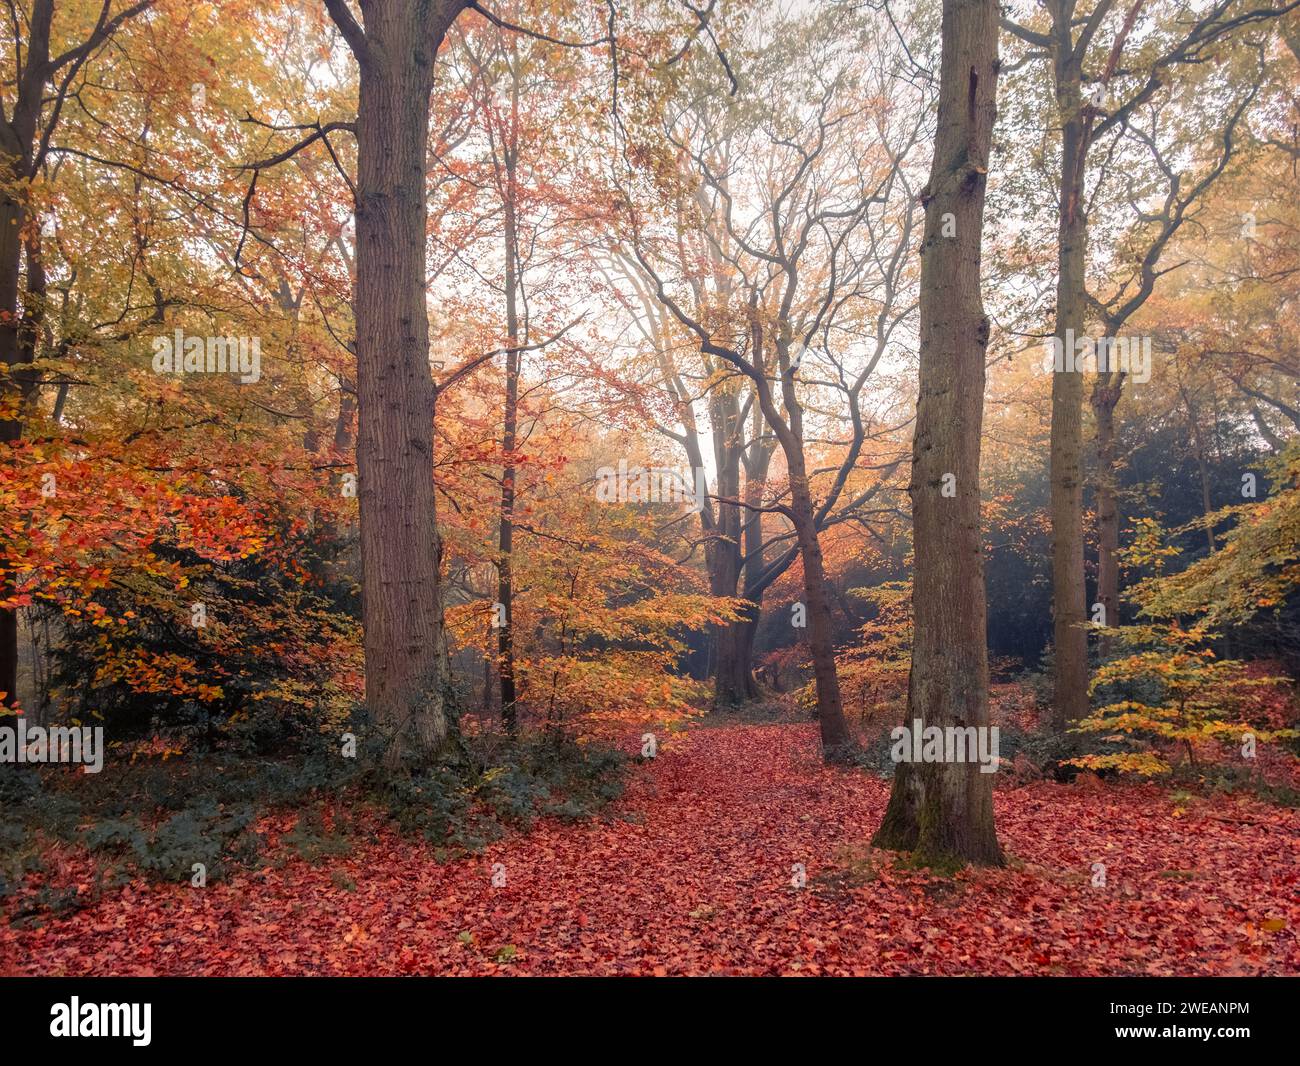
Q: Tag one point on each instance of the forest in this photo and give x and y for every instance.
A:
(649, 487)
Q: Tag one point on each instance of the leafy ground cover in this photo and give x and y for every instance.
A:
(697, 870)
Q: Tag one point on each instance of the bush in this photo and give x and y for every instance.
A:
(159, 819)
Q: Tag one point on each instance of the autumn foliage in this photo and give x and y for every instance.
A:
(686, 241)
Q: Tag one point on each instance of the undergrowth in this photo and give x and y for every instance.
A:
(161, 818)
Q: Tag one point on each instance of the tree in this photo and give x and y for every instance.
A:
(406, 656)
(1170, 689)
(796, 196)
(127, 537)
(1086, 76)
(502, 123)
(1181, 202)
(943, 811)
(735, 552)
(27, 124)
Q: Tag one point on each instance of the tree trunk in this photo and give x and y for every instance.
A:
(1105, 397)
(836, 740)
(734, 659)
(19, 337)
(405, 646)
(732, 684)
(1069, 591)
(757, 461)
(510, 430)
(943, 811)
(11, 221)
(17, 140)
(1202, 467)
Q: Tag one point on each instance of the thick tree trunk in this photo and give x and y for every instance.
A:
(1105, 397)
(732, 683)
(405, 647)
(733, 662)
(1069, 591)
(735, 672)
(943, 811)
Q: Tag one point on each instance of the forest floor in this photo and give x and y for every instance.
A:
(695, 871)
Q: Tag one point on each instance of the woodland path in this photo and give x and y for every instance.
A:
(692, 873)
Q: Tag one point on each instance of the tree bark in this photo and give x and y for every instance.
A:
(836, 739)
(1105, 397)
(943, 811)
(732, 682)
(734, 661)
(405, 645)
(510, 427)
(1069, 590)
(757, 461)
(12, 215)
(1202, 466)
